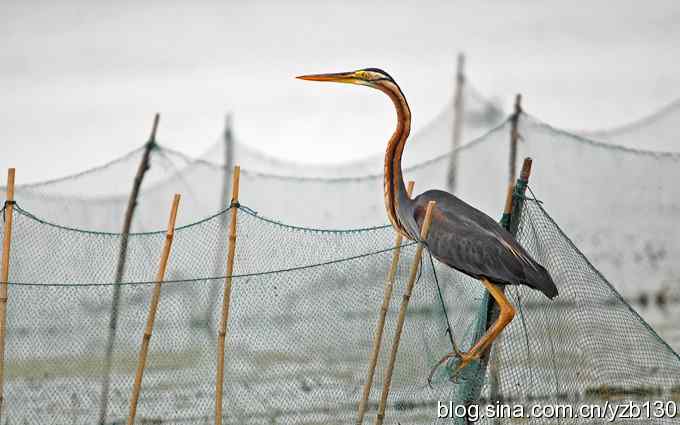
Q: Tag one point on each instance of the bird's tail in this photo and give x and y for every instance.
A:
(539, 278)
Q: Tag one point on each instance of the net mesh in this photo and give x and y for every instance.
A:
(96, 199)
(615, 202)
(658, 131)
(433, 139)
(303, 306)
(298, 338)
(574, 348)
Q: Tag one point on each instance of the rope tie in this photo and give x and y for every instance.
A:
(527, 198)
(4, 208)
(247, 209)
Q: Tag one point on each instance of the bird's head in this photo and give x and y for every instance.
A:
(371, 77)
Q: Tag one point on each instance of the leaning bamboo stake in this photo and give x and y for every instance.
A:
(507, 210)
(514, 138)
(377, 336)
(120, 270)
(510, 221)
(226, 297)
(458, 113)
(7, 239)
(153, 307)
(470, 389)
(492, 312)
(402, 313)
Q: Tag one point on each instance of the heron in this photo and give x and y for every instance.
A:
(460, 236)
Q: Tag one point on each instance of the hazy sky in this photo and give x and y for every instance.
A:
(81, 80)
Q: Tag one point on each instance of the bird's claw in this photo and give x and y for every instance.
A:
(465, 358)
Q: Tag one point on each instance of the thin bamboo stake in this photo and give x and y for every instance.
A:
(458, 118)
(514, 138)
(507, 210)
(377, 336)
(4, 275)
(226, 298)
(493, 311)
(153, 307)
(402, 314)
(518, 197)
(510, 220)
(120, 270)
(471, 388)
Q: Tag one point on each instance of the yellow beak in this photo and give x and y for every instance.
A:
(338, 77)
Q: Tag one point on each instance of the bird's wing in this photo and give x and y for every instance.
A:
(472, 242)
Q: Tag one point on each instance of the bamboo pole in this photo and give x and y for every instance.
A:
(471, 388)
(153, 307)
(458, 118)
(380, 327)
(507, 209)
(518, 197)
(7, 239)
(120, 270)
(514, 138)
(226, 297)
(492, 312)
(510, 221)
(402, 313)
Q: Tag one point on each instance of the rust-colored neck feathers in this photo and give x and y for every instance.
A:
(395, 190)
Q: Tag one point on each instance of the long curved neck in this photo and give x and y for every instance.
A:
(396, 197)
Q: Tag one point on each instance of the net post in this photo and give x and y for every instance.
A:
(154, 128)
(228, 157)
(380, 327)
(490, 311)
(518, 195)
(514, 138)
(120, 269)
(458, 114)
(402, 313)
(153, 307)
(228, 160)
(6, 242)
(226, 297)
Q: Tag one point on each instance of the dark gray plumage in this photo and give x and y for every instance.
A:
(473, 243)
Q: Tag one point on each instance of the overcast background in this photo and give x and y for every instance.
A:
(80, 80)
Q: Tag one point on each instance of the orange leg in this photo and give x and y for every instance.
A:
(507, 312)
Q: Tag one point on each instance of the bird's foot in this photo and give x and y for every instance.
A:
(464, 359)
